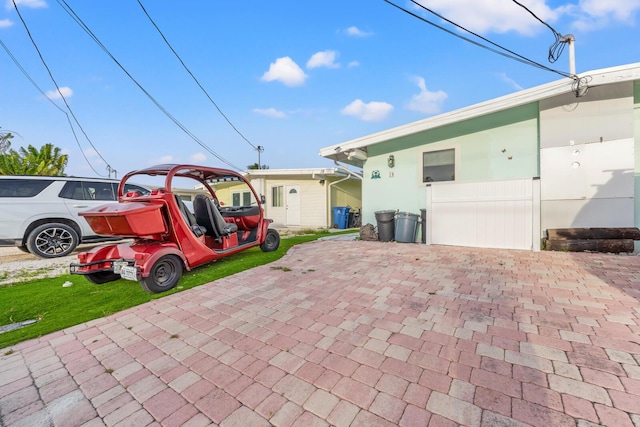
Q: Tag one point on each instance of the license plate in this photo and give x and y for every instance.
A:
(117, 266)
(129, 273)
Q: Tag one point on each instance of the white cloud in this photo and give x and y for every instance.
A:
(592, 15)
(372, 111)
(353, 64)
(426, 102)
(161, 160)
(90, 152)
(509, 81)
(198, 158)
(493, 16)
(286, 71)
(64, 90)
(620, 10)
(33, 4)
(5, 23)
(325, 58)
(498, 16)
(270, 112)
(357, 32)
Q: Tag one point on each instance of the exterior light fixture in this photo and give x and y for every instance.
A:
(357, 154)
(391, 161)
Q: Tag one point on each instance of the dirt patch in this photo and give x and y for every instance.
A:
(18, 266)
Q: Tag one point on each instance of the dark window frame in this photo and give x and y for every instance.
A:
(277, 196)
(439, 168)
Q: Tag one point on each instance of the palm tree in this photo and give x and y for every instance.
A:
(5, 142)
(256, 166)
(47, 161)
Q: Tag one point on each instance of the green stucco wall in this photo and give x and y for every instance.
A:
(503, 145)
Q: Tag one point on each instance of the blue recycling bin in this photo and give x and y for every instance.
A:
(341, 217)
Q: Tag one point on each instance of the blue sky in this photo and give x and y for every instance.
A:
(292, 76)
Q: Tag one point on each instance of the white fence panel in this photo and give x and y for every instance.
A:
(491, 214)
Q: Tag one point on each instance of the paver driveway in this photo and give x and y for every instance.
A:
(354, 333)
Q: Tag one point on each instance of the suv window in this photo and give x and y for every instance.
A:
(96, 190)
(88, 190)
(23, 187)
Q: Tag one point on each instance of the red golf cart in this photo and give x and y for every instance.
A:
(168, 237)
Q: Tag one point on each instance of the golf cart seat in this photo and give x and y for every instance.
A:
(198, 230)
(208, 215)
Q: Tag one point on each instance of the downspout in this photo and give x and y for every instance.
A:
(347, 171)
(337, 182)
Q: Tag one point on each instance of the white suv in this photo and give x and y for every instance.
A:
(39, 214)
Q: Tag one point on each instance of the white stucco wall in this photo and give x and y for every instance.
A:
(587, 159)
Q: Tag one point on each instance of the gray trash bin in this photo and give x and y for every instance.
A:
(406, 227)
(385, 225)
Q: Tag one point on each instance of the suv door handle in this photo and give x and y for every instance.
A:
(80, 206)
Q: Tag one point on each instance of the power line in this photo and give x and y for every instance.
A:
(21, 68)
(537, 18)
(82, 25)
(515, 56)
(192, 76)
(510, 54)
(64, 99)
(555, 51)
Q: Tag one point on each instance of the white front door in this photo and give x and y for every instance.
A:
(292, 200)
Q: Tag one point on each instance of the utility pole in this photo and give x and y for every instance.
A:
(115, 172)
(571, 40)
(260, 149)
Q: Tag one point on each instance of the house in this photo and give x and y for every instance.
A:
(499, 174)
(299, 198)
(188, 194)
(305, 197)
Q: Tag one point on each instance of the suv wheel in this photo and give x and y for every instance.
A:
(52, 240)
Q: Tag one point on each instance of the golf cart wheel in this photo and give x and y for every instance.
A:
(164, 275)
(52, 240)
(271, 241)
(101, 277)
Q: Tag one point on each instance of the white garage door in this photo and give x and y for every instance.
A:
(491, 214)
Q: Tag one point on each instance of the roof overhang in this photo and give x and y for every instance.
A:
(308, 172)
(344, 152)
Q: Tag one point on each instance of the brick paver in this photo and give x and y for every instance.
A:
(354, 333)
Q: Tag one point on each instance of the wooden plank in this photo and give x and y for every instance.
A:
(632, 233)
(593, 245)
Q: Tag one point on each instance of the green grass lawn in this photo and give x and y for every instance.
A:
(59, 307)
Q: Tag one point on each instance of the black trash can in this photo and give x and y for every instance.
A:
(386, 226)
(423, 226)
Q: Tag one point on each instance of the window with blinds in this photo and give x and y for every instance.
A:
(439, 165)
